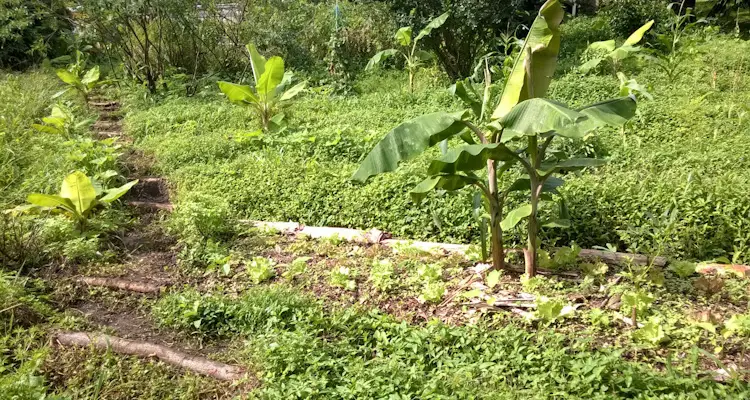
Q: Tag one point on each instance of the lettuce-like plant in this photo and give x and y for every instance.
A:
(78, 197)
(260, 269)
(414, 58)
(271, 93)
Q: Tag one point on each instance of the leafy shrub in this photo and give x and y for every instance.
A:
(203, 216)
(21, 242)
(81, 249)
(625, 16)
(33, 30)
(683, 269)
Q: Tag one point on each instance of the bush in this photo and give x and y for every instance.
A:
(31, 30)
(625, 16)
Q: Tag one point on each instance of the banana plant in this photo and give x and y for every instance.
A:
(607, 50)
(61, 121)
(414, 58)
(490, 140)
(81, 84)
(78, 196)
(271, 93)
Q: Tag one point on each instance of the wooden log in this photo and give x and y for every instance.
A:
(122, 284)
(151, 206)
(427, 246)
(200, 365)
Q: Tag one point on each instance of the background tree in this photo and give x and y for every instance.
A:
(31, 30)
(471, 30)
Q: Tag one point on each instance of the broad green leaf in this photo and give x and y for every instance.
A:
(408, 140)
(293, 91)
(636, 36)
(556, 223)
(493, 278)
(623, 52)
(445, 182)
(116, 193)
(465, 91)
(514, 217)
(90, 78)
(380, 57)
(543, 45)
(50, 201)
(536, 116)
(573, 163)
(470, 157)
(271, 77)
(47, 129)
(60, 93)
(615, 112)
(68, 77)
(78, 188)
(606, 45)
(550, 185)
(241, 94)
(434, 24)
(403, 36)
(423, 55)
(589, 65)
(257, 62)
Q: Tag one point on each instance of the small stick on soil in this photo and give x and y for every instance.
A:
(200, 365)
(123, 284)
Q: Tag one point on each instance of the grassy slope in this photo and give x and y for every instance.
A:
(685, 151)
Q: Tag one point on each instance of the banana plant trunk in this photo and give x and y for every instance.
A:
(496, 232)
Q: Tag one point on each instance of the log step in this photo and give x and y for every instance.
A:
(122, 284)
(151, 205)
(198, 364)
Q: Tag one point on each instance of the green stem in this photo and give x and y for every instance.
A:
(534, 179)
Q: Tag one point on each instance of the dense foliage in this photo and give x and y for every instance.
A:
(31, 30)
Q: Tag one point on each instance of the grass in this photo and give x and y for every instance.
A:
(682, 154)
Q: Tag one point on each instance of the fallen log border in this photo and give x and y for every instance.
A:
(122, 284)
(200, 365)
(375, 236)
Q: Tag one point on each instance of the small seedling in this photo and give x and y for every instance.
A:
(433, 292)
(683, 269)
(296, 268)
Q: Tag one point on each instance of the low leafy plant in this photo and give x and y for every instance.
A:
(260, 269)
(344, 277)
(414, 58)
(636, 303)
(652, 332)
(493, 278)
(683, 269)
(737, 325)
(563, 258)
(296, 268)
(430, 272)
(271, 93)
(594, 270)
(550, 310)
(607, 50)
(433, 292)
(381, 275)
(598, 318)
(78, 197)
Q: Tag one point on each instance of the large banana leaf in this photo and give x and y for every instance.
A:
(615, 112)
(51, 201)
(380, 57)
(257, 62)
(116, 193)
(408, 140)
(445, 182)
(91, 77)
(240, 94)
(293, 91)
(271, 77)
(403, 36)
(465, 91)
(78, 188)
(637, 36)
(537, 116)
(538, 55)
(470, 157)
(514, 217)
(434, 24)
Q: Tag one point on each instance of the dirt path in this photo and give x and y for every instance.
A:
(116, 299)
